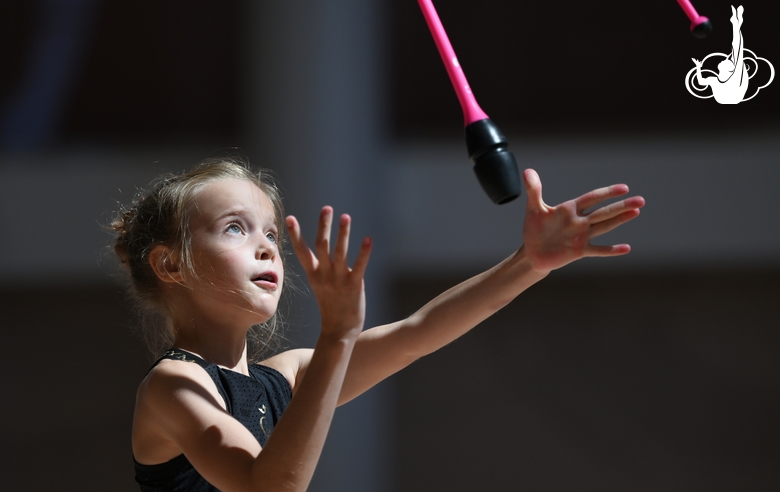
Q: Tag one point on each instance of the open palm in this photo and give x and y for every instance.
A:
(556, 236)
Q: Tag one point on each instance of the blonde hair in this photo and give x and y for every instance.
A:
(161, 216)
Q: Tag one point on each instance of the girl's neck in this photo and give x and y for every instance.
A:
(226, 349)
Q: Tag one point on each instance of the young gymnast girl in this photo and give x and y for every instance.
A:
(204, 251)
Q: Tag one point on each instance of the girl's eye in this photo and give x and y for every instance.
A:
(234, 228)
(271, 237)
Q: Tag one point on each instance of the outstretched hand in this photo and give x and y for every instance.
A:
(556, 236)
(338, 288)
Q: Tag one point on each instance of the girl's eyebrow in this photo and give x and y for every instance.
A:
(238, 212)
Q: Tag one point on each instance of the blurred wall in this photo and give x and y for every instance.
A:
(347, 102)
(662, 380)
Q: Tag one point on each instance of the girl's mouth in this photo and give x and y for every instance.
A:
(266, 279)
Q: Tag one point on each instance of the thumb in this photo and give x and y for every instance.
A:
(533, 189)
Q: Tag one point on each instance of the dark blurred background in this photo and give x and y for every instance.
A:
(654, 371)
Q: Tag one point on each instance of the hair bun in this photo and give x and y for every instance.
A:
(121, 226)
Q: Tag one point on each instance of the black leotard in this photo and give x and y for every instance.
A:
(257, 401)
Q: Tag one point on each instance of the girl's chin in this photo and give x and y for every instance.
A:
(261, 314)
(243, 310)
(259, 320)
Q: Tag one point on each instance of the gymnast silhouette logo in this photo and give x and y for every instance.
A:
(730, 84)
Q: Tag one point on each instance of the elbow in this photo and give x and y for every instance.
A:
(281, 479)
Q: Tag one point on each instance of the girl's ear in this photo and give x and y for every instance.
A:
(165, 264)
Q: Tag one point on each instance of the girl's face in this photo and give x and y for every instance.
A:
(235, 252)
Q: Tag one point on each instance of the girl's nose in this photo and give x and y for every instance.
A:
(266, 249)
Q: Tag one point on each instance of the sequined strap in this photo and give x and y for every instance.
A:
(182, 355)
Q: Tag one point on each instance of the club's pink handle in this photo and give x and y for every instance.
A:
(471, 110)
(693, 16)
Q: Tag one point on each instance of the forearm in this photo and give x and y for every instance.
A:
(288, 460)
(553, 237)
(464, 306)
(384, 350)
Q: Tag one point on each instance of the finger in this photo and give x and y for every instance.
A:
(322, 243)
(614, 250)
(361, 262)
(615, 209)
(595, 197)
(533, 188)
(342, 242)
(607, 225)
(302, 251)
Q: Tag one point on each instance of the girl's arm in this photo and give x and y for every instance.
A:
(553, 237)
(187, 413)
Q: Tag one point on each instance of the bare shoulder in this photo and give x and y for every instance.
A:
(179, 411)
(171, 399)
(291, 364)
(173, 377)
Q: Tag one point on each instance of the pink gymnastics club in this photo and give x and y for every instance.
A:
(700, 25)
(494, 165)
